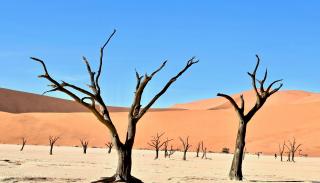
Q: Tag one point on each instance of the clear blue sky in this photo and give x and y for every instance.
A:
(224, 35)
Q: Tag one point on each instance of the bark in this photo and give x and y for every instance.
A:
(236, 166)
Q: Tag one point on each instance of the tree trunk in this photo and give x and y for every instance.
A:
(22, 147)
(124, 164)
(157, 154)
(281, 157)
(84, 150)
(51, 147)
(109, 151)
(236, 167)
(292, 156)
(184, 155)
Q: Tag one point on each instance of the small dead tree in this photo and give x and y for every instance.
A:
(109, 145)
(293, 147)
(204, 151)
(171, 151)
(165, 148)
(198, 148)
(84, 144)
(281, 150)
(185, 146)
(262, 94)
(92, 98)
(23, 143)
(156, 143)
(52, 141)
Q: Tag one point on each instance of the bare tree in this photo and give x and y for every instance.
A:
(198, 148)
(204, 151)
(293, 147)
(24, 141)
(52, 141)
(262, 94)
(165, 148)
(93, 98)
(109, 145)
(84, 144)
(171, 151)
(186, 146)
(281, 150)
(156, 143)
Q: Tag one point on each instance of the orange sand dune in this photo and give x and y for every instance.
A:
(288, 114)
(23, 102)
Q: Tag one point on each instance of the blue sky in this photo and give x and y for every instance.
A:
(223, 35)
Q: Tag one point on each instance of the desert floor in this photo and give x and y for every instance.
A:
(68, 164)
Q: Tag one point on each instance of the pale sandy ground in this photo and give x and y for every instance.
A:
(68, 164)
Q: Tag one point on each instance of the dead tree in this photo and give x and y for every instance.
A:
(204, 151)
(262, 94)
(186, 146)
(23, 143)
(198, 148)
(293, 147)
(52, 141)
(92, 99)
(171, 151)
(156, 143)
(281, 150)
(84, 144)
(165, 148)
(109, 145)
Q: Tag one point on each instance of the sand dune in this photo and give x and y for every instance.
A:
(288, 114)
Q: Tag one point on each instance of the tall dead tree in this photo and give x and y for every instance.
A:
(92, 99)
(185, 146)
(23, 143)
(281, 150)
(84, 144)
(109, 145)
(156, 143)
(262, 94)
(293, 147)
(52, 141)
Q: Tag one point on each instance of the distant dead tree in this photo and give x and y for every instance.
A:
(186, 146)
(157, 143)
(225, 150)
(204, 151)
(198, 148)
(292, 148)
(109, 145)
(165, 148)
(84, 144)
(262, 94)
(52, 141)
(302, 155)
(24, 141)
(92, 100)
(281, 150)
(171, 151)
